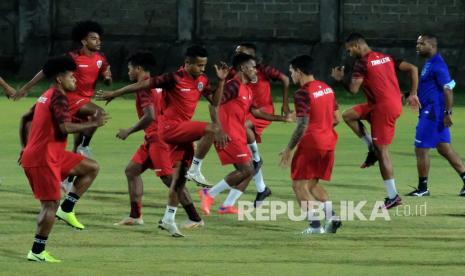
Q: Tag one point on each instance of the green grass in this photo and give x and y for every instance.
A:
(412, 245)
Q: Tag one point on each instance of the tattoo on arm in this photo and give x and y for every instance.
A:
(302, 123)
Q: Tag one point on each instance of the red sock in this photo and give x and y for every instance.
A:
(136, 211)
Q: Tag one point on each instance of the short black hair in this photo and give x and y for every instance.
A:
(355, 38)
(239, 59)
(83, 28)
(431, 37)
(304, 63)
(195, 51)
(248, 45)
(57, 65)
(144, 59)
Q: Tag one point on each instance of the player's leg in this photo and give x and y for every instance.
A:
(86, 111)
(306, 200)
(353, 118)
(387, 173)
(86, 171)
(332, 222)
(45, 222)
(446, 150)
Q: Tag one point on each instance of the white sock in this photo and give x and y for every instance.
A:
(390, 185)
(259, 183)
(196, 165)
(254, 149)
(170, 212)
(218, 188)
(233, 195)
(367, 140)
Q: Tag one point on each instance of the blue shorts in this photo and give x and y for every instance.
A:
(430, 133)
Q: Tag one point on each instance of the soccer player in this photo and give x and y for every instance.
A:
(435, 99)
(236, 104)
(263, 99)
(376, 73)
(9, 91)
(183, 90)
(315, 139)
(91, 64)
(153, 153)
(45, 160)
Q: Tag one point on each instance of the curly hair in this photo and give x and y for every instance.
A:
(83, 28)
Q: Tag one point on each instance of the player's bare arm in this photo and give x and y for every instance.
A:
(286, 154)
(350, 84)
(28, 86)
(449, 101)
(412, 70)
(100, 119)
(337, 118)
(9, 91)
(222, 71)
(286, 117)
(108, 96)
(106, 75)
(143, 123)
(285, 109)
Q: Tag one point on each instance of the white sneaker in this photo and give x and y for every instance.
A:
(66, 186)
(189, 224)
(333, 224)
(312, 231)
(198, 178)
(130, 221)
(84, 151)
(171, 228)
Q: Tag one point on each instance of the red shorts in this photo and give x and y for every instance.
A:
(154, 155)
(309, 163)
(382, 120)
(75, 102)
(45, 181)
(235, 152)
(259, 124)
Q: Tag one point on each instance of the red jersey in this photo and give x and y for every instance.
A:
(46, 143)
(88, 70)
(146, 98)
(316, 101)
(181, 94)
(261, 88)
(235, 105)
(379, 78)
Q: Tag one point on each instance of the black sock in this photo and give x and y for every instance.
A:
(462, 175)
(422, 183)
(135, 209)
(192, 212)
(68, 204)
(39, 244)
(85, 141)
(71, 178)
(315, 224)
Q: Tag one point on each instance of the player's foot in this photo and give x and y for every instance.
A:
(206, 201)
(419, 193)
(223, 210)
(69, 218)
(190, 224)
(130, 221)
(462, 192)
(171, 228)
(370, 160)
(313, 231)
(390, 203)
(261, 197)
(257, 165)
(66, 185)
(84, 151)
(333, 224)
(198, 178)
(43, 256)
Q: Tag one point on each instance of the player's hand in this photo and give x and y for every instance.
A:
(448, 121)
(285, 109)
(286, 156)
(107, 79)
(222, 70)
(123, 133)
(19, 94)
(107, 96)
(414, 102)
(10, 92)
(100, 118)
(290, 117)
(337, 73)
(221, 138)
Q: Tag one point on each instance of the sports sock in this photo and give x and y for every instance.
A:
(390, 186)
(462, 175)
(71, 178)
(192, 212)
(85, 140)
(315, 224)
(367, 140)
(196, 164)
(136, 211)
(254, 149)
(422, 183)
(259, 182)
(170, 212)
(218, 188)
(39, 244)
(68, 204)
(233, 196)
